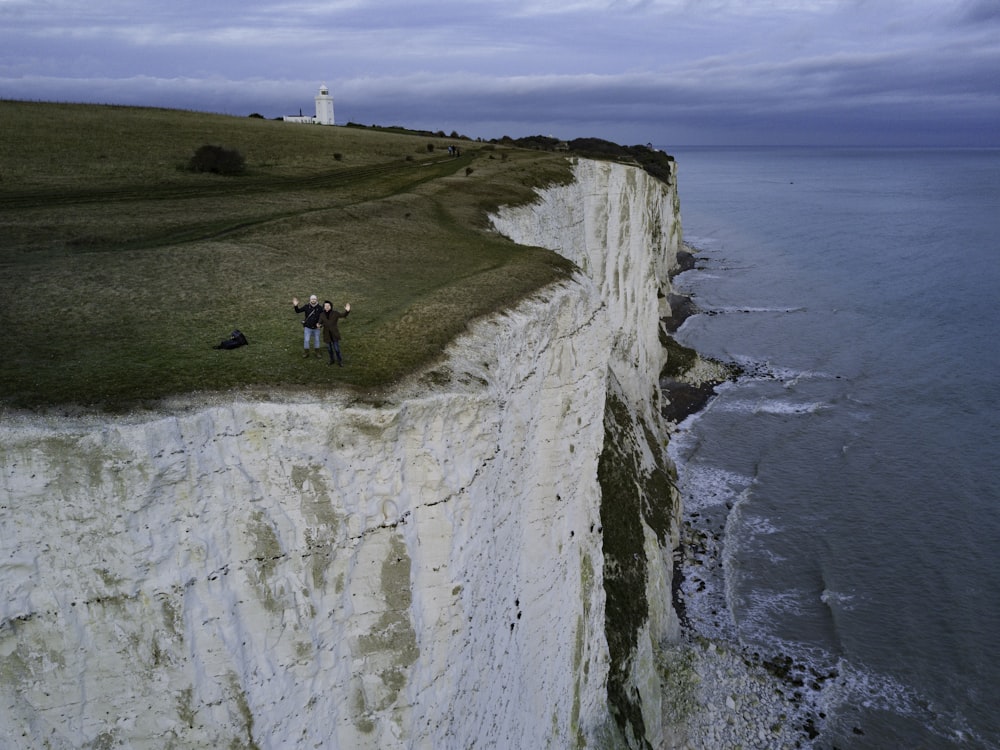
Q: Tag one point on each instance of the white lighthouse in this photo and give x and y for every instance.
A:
(324, 110)
(324, 106)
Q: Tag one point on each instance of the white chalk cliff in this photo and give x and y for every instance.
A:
(483, 560)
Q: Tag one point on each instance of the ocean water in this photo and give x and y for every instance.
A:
(846, 488)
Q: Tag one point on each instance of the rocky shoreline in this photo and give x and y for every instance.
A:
(718, 694)
(688, 380)
(720, 699)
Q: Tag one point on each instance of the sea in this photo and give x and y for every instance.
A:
(845, 488)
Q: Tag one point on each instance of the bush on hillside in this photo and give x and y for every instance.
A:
(217, 160)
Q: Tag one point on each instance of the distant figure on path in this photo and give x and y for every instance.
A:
(310, 323)
(331, 334)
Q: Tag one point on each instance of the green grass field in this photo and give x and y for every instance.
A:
(120, 269)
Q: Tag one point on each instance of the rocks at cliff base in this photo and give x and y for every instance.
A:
(682, 307)
(716, 698)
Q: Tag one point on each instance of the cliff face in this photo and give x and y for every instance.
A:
(622, 228)
(479, 561)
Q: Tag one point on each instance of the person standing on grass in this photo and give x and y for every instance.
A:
(310, 324)
(331, 334)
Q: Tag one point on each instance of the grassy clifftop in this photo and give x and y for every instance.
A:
(121, 268)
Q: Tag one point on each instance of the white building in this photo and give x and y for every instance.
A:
(324, 110)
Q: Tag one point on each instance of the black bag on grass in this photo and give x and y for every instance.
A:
(236, 339)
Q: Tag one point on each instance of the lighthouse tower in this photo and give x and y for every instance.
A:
(324, 106)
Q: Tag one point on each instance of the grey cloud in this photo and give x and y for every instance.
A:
(727, 71)
(981, 11)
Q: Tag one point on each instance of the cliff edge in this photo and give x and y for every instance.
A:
(483, 559)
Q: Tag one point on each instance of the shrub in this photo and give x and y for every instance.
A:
(217, 160)
(430, 148)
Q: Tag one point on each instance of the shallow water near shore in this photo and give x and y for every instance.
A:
(847, 486)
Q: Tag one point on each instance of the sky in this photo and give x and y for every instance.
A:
(666, 72)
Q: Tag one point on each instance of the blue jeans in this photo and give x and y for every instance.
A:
(334, 347)
(308, 333)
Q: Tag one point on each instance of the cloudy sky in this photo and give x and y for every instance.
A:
(668, 72)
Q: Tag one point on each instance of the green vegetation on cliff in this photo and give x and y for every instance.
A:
(633, 496)
(123, 266)
(654, 161)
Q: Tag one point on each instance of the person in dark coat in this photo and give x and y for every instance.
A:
(331, 333)
(310, 323)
